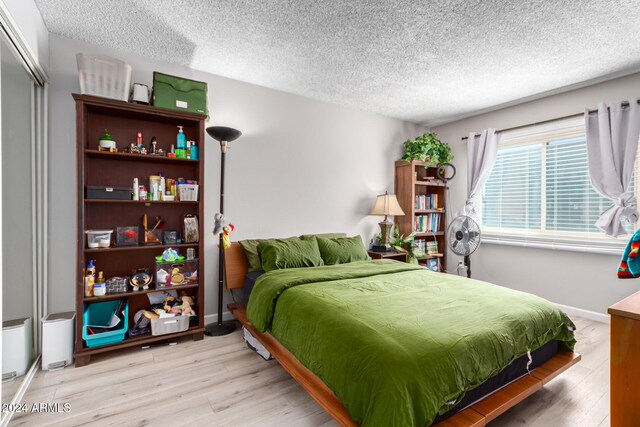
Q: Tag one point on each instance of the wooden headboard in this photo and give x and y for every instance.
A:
(236, 266)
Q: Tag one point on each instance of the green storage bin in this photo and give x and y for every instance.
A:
(178, 94)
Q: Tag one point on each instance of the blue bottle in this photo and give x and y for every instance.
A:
(181, 144)
(194, 151)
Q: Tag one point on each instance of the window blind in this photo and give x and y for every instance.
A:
(539, 189)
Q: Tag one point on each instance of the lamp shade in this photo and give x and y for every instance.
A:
(223, 133)
(387, 204)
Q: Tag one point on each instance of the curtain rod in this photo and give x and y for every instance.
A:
(571, 116)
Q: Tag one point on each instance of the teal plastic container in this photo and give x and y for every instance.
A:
(100, 313)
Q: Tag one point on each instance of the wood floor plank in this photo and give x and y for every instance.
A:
(218, 381)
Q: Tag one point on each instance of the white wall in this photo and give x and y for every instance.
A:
(586, 281)
(301, 166)
(29, 22)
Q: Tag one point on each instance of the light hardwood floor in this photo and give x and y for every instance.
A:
(219, 382)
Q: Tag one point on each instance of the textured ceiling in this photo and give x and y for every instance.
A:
(426, 62)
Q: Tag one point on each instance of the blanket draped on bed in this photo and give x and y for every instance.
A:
(398, 344)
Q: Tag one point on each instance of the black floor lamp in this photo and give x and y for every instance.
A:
(225, 135)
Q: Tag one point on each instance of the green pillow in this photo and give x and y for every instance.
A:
(279, 254)
(325, 235)
(251, 251)
(342, 250)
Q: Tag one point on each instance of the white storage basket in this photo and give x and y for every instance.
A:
(104, 76)
(169, 325)
(188, 192)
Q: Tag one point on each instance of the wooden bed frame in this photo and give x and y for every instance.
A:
(477, 415)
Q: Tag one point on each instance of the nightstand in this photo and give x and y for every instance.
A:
(398, 256)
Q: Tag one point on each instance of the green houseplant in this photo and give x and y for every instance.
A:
(427, 146)
(403, 243)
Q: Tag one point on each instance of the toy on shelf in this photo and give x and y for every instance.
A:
(140, 279)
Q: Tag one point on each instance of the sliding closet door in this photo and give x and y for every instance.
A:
(18, 219)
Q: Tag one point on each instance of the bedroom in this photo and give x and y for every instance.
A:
(325, 94)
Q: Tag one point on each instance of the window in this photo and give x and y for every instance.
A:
(539, 190)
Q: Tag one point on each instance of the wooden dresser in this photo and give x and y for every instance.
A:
(625, 362)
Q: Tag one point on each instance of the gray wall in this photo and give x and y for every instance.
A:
(27, 17)
(301, 166)
(582, 280)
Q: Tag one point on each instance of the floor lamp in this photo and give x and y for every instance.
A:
(225, 135)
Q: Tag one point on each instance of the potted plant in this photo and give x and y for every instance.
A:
(427, 148)
(403, 243)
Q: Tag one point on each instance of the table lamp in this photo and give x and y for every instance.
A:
(386, 204)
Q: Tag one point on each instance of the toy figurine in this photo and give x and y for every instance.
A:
(153, 146)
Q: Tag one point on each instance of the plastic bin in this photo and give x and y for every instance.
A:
(57, 340)
(102, 75)
(188, 269)
(100, 313)
(188, 192)
(169, 325)
(17, 345)
(98, 238)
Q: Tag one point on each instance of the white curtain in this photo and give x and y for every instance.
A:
(612, 141)
(481, 155)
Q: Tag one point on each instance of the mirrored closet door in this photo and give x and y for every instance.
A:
(18, 123)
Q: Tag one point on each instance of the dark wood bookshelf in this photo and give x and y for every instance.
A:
(140, 248)
(136, 157)
(101, 168)
(141, 202)
(152, 288)
(143, 340)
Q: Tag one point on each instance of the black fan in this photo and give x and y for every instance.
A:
(464, 238)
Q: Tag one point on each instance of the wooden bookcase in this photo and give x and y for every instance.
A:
(410, 182)
(98, 168)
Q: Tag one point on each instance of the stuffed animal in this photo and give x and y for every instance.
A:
(218, 224)
(226, 240)
(187, 302)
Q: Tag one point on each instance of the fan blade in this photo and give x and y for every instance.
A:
(465, 222)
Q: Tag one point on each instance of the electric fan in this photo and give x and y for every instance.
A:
(464, 238)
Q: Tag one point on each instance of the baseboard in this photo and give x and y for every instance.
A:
(210, 318)
(591, 315)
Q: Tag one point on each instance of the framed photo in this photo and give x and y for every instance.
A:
(191, 232)
(433, 264)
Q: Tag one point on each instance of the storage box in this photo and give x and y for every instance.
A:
(127, 236)
(176, 93)
(170, 274)
(117, 285)
(108, 193)
(98, 238)
(101, 75)
(17, 345)
(169, 325)
(153, 237)
(98, 314)
(188, 192)
(57, 340)
(170, 237)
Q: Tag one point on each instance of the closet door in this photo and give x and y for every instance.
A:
(18, 266)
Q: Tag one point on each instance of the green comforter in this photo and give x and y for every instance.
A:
(398, 344)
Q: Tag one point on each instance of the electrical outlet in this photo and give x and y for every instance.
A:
(460, 264)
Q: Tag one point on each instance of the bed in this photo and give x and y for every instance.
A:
(388, 343)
